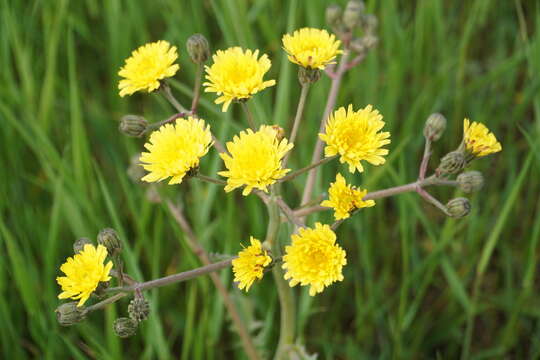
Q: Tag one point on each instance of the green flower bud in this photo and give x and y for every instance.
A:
(68, 314)
(333, 16)
(198, 48)
(125, 327)
(133, 125)
(470, 181)
(353, 13)
(369, 41)
(458, 207)
(451, 163)
(434, 127)
(138, 309)
(109, 238)
(370, 23)
(307, 76)
(78, 245)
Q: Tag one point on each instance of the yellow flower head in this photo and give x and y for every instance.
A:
(311, 48)
(83, 272)
(345, 198)
(237, 74)
(479, 141)
(356, 136)
(175, 150)
(250, 263)
(254, 160)
(314, 258)
(146, 66)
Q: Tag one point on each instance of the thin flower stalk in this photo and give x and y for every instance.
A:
(298, 117)
(167, 94)
(197, 88)
(330, 104)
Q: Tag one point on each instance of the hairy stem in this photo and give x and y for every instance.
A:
(330, 104)
(166, 91)
(174, 278)
(197, 88)
(414, 186)
(157, 125)
(108, 301)
(425, 160)
(249, 115)
(297, 118)
(307, 168)
(210, 180)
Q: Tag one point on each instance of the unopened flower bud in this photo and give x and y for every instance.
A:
(434, 127)
(458, 207)
(451, 163)
(370, 23)
(353, 13)
(125, 327)
(370, 41)
(68, 314)
(133, 125)
(470, 181)
(198, 48)
(308, 75)
(138, 309)
(333, 16)
(78, 245)
(280, 132)
(109, 238)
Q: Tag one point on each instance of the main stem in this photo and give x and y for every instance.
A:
(286, 297)
(330, 104)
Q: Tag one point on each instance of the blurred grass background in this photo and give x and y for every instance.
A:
(408, 289)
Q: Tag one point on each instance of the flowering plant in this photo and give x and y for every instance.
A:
(255, 161)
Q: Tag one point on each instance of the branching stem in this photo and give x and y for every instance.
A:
(307, 168)
(166, 91)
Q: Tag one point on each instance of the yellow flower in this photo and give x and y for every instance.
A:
(148, 65)
(83, 272)
(344, 198)
(356, 136)
(250, 263)
(311, 48)
(314, 258)
(254, 160)
(479, 141)
(175, 150)
(237, 74)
